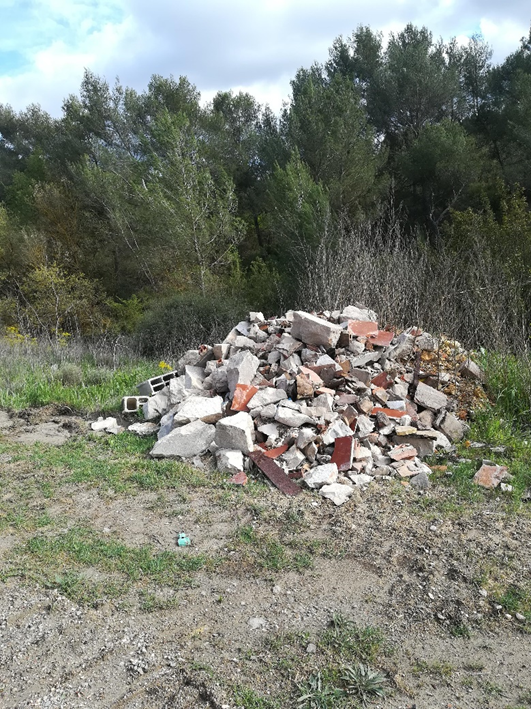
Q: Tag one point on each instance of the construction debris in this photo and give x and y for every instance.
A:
(328, 401)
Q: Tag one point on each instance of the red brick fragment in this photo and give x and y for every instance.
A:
(242, 396)
(403, 452)
(274, 472)
(343, 451)
(312, 376)
(382, 338)
(238, 479)
(391, 413)
(362, 328)
(276, 452)
(382, 380)
(490, 476)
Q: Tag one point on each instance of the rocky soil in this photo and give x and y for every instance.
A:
(426, 567)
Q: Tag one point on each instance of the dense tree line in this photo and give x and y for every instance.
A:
(130, 197)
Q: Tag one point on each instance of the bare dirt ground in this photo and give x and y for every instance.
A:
(428, 569)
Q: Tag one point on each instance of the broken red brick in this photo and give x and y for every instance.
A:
(362, 328)
(276, 452)
(238, 479)
(490, 476)
(304, 386)
(382, 380)
(242, 396)
(274, 472)
(343, 451)
(403, 452)
(382, 338)
(391, 413)
(312, 376)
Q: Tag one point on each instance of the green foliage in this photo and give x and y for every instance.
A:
(186, 321)
(318, 693)
(37, 373)
(364, 683)
(352, 642)
(51, 303)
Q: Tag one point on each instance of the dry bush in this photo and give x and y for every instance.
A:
(464, 294)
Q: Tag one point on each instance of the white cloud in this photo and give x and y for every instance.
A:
(256, 46)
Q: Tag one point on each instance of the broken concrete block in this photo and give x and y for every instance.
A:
(338, 429)
(217, 380)
(339, 494)
(292, 458)
(305, 437)
(365, 426)
(404, 451)
(132, 404)
(423, 446)
(109, 424)
(241, 369)
(229, 461)
(236, 432)
(206, 409)
(290, 417)
(156, 405)
(221, 350)
(363, 360)
(185, 441)
(146, 428)
(471, 370)
(430, 398)
(426, 419)
(361, 479)
(313, 330)
(452, 427)
(193, 377)
(190, 357)
(351, 312)
(490, 476)
(321, 475)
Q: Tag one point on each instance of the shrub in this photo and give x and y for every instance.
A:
(186, 321)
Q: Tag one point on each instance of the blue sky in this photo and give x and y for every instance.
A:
(236, 44)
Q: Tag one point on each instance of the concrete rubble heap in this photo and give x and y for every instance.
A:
(327, 401)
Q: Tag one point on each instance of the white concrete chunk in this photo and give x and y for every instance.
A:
(430, 398)
(229, 461)
(313, 330)
(241, 369)
(206, 409)
(290, 417)
(236, 432)
(321, 475)
(265, 396)
(336, 492)
(185, 441)
(194, 377)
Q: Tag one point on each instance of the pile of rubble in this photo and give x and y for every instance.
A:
(330, 400)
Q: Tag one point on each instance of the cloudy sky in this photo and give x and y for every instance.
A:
(252, 45)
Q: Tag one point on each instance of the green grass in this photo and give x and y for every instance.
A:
(278, 552)
(69, 560)
(352, 642)
(71, 375)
